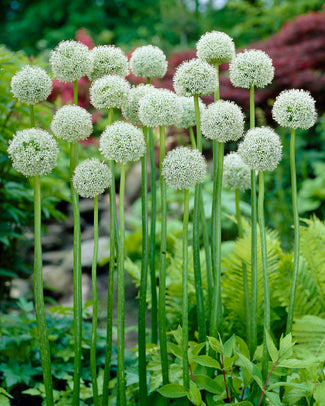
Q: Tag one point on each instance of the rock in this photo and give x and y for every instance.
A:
(87, 248)
(19, 288)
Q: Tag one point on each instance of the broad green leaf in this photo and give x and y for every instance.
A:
(176, 350)
(319, 393)
(4, 392)
(206, 361)
(228, 346)
(196, 349)
(242, 346)
(228, 362)
(295, 363)
(32, 392)
(194, 394)
(274, 353)
(216, 345)
(4, 401)
(285, 346)
(244, 403)
(208, 384)
(273, 398)
(289, 385)
(172, 391)
(247, 369)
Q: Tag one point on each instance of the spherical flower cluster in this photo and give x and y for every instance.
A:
(70, 61)
(110, 91)
(122, 142)
(184, 167)
(130, 109)
(222, 121)
(33, 152)
(215, 47)
(160, 107)
(251, 68)
(72, 123)
(295, 109)
(261, 149)
(188, 119)
(195, 77)
(31, 85)
(108, 60)
(236, 174)
(91, 178)
(148, 62)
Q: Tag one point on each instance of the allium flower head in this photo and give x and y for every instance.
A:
(188, 117)
(184, 167)
(31, 85)
(108, 60)
(130, 109)
(261, 149)
(91, 178)
(148, 62)
(195, 77)
(295, 109)
(70, 61)
(215, 47)
(236, 174)
(110, 91)
(33, 152)
(160, 107)
(251, 68)
(122, 142)
(72, 123)
(223, 121)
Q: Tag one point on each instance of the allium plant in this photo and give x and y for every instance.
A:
(110, 91)
(108, 60)
(148, 62)
(215, 47)
(130, 108)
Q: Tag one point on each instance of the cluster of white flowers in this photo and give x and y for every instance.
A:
(130, 108)
(122, 142)
(236, 174)
(91, 178)
(148, 62)
(33, 152)
(70, 61)
(72, 123)
(110, 91)
(295, 109)
(183, 168)
(195, 77)
(261, 149)
(108, 60)
(188, 118)
(223, 121)
(31, 85)
(160, 107)
(251, 68)
(215, 47)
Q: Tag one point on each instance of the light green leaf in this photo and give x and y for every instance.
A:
(4, 401)
(216, 345)
(295, 363)
(274, 353)
(32, 392)
(228, 346)
(242, 346)
(196, 350)
(194, 394)
(208, 384)
(172, 391)
(206, 361)
(176, 350)
(273, 398)
(286, 345)
(319, 393)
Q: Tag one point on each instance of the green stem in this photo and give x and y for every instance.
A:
(252, 107)
(143, 281)
(261, 222)
(39, 298)
(192, 137)
(216, 311)
(95, 307)
(32, 115)
(296, 229)
(121, 297)
(148, 81)
(186, 376)
(153, 278)
(163, 264)
(75, 92)
(217, 92)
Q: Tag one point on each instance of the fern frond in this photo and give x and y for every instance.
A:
(309, 333)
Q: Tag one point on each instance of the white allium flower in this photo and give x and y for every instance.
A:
(108, 60)
(72, 123)
(91, 178)
(188, 117)
(295, 109)
(184, 167)
(251, 68)
(122, 142)
(130, 109)
(223, 121)
(215, 47)
(31, 85)
(110, 91)
(70, 61)
(33, 152)
(236, 174)
(160, 107)
(261, 149)
(148, 62)
(195, 77)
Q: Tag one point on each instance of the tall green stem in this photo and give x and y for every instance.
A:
(143, 281)
(296, 229)
(265, 271)
(32, 115)
(163, 264)
(186, 375)
(192, 137)
(39, 298)
(95, 307)
(121, 296)
(153, 279)
(196, 236)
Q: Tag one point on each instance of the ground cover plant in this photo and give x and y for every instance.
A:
(230, 324)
